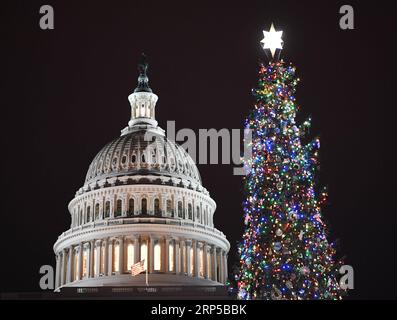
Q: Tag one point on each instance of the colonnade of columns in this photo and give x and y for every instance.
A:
(116, 255)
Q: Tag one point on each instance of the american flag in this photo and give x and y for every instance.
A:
(138, 267)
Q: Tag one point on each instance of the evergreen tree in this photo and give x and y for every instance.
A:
(284, 252)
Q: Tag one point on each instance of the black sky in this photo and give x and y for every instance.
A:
(64, 95)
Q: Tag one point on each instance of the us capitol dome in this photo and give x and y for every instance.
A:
(142, 199)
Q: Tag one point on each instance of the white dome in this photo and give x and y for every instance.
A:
(131, 155)
(142, 200)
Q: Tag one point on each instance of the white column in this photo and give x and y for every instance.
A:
(136, 250)
(121, 255)
(70, 265)
(110, 257)
(221, 267)
(151, 254)
(188, 257)
(57, 270)
(166, 258)
(183, 256)
(80, 262)
(97, 267)
(105, 257)
(225, 266)
(176, 257)
(196, 254)
(205, 262)
(91, 259)
(63, 267)
(214, 264)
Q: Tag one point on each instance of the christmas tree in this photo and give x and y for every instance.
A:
(284, 252)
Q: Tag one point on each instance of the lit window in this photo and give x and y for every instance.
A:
(116, 257)
(209, 264)
(85, 259)
(171, 257)
(157, 257)
(95, 262)
(130, 256)
(201, 255)
(191, 261)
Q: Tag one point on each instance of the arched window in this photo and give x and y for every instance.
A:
(131, 207)
(133, 158)
(143, 158)
(144, 206)
(130, 256)
(180, 213)
(198, 215)
(190, 211)
(157, 257)
(171, 257)
(97, 211)
(88, 214)
(119, 206)
(169, 207)
(157, 211)
(124, 159)
(197, 212)
(107, 209)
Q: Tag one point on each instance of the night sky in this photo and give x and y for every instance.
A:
(64, 95)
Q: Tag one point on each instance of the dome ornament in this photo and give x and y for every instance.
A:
(143, 102)
(143, 80)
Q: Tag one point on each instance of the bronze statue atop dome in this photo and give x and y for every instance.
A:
(143, 80)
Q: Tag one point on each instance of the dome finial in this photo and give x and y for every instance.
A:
(143, 80)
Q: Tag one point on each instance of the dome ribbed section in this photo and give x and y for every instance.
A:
(137, 154)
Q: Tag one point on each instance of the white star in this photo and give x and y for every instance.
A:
(272, 40)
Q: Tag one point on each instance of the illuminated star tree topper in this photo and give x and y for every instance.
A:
(272, 40)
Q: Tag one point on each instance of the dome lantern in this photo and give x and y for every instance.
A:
(143, 100)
